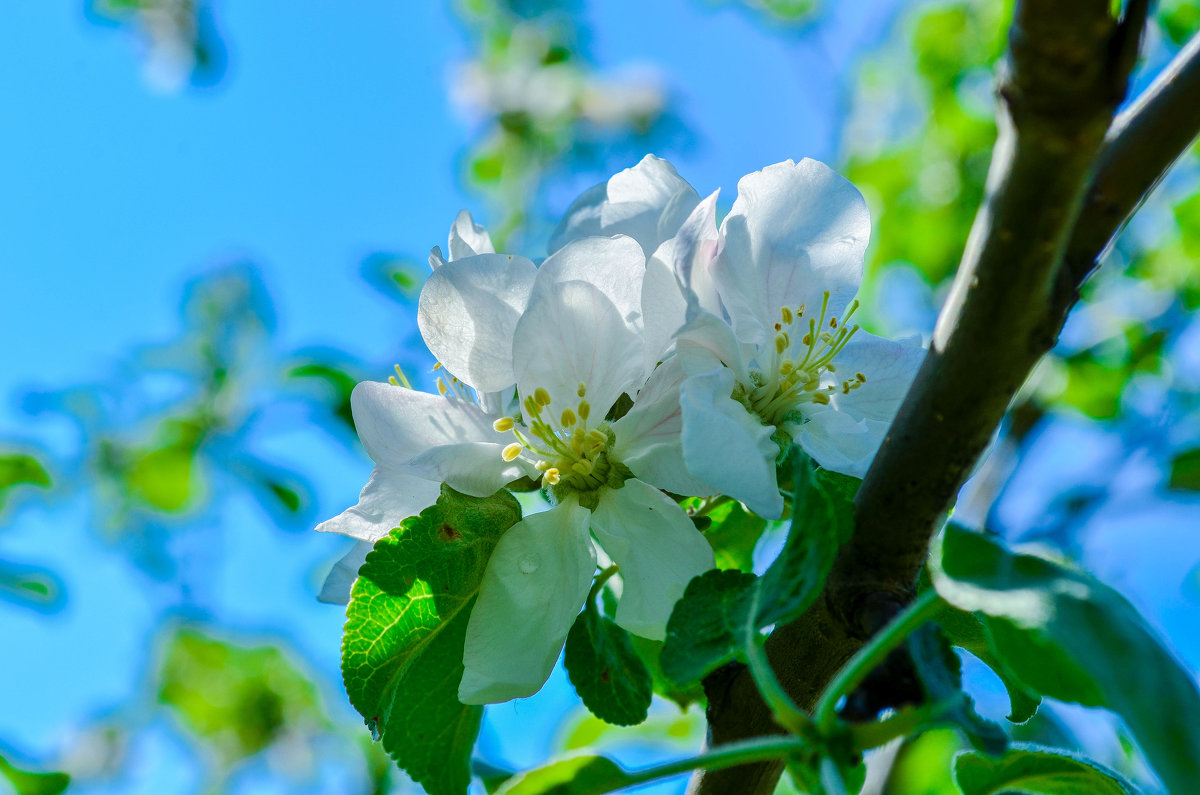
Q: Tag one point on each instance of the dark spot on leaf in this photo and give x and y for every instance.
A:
(604, 677)
(448, 533)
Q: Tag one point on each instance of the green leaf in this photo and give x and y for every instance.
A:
(18, 469)
(723, 611)
(733, 534)
(1033, 770)
(25, 782)
(940, 673)
(573, 775)
(651, 653)
(1067, 636)
(964, 630)
(405, 627)
(1185, 471)
(607, 673)
(238, 699)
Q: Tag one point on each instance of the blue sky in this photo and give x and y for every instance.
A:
(330, 137)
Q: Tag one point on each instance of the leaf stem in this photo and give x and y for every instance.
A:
(872, 735)
(601, 578)
(786, 713)
(872, 654)
(725, 756)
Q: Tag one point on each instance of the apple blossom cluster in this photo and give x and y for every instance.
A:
(653, 355)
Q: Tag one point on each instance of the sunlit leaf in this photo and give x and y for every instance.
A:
(733, 534)
(405, 628)
(574, 775)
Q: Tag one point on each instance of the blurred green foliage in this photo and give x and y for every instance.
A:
(541, 106)
(237, 699)
(20, 469)
(178, 38)
(25, 782)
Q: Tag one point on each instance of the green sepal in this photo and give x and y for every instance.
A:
(405, 628)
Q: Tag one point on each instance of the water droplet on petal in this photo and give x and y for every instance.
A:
(529, 563)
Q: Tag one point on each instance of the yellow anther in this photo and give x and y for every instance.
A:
(582, 389)
(511, 451)
(568, 418)
(437, 365)
(862, 379)
(597, 436)
(542, 466)
(831, 368)
(583, 467)
(503, 424)
(442, 389)
(821, 397)
(780, 343)
(833, 322)
(806, 340)
(585, 409)
(800, 310)
(552, 476)
(787, 315)
(531, 407)
(541, 396)
(786, 366)
(392, 380)
(846, 387)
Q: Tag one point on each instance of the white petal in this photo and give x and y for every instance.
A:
(841, 443)
(646, 202)
(664, 310)
(795, 231)
(436, 260)
(613, 265)
(692, 251)
(889, 367)
(658, 549)
(339, 581)
(706, 341)
(389, 498)
(468, 238)
(442, 439)
(727, 447)
(649, 438)
(534, 587)
(571, 335)
(467, 313)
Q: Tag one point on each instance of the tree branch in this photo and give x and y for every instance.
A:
(1066, 73)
